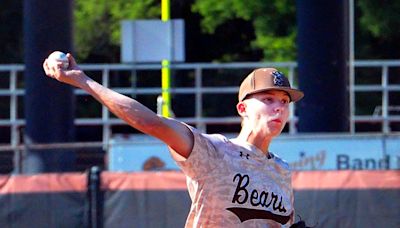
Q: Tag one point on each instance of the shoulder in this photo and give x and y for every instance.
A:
(204, 138)
(280, 162)
(207, 152)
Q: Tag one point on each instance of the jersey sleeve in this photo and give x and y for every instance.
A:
(204, 156)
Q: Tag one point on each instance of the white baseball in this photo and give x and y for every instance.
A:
(59, 56)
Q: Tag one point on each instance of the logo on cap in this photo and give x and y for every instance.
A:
(279, 79)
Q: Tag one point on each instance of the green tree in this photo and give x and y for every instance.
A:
(273, 22)
(97, 25)
(377, 33)
(251, 27)
(260, 26)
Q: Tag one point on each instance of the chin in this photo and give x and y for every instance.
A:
(275, 130)
(275, 134)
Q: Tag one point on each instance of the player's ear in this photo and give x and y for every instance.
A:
(241, 108)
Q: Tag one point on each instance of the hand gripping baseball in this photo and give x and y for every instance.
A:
(73, 75)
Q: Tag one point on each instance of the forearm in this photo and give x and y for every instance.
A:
(126, 108)
(173, 133)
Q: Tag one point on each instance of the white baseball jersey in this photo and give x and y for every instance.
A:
(233, 184)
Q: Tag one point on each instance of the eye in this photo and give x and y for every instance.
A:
(268, 99)
(285, 101)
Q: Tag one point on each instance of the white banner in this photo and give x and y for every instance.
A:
(310, 152)
(339, 152)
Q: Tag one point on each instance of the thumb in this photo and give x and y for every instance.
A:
(72, 62)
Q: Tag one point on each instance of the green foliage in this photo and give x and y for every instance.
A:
(273, 23)
(272, 32)
(97, 22)
(380, 17)
(377, 29)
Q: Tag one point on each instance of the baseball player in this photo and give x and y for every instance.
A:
(231, 182)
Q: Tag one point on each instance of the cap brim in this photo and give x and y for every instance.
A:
(295, 94)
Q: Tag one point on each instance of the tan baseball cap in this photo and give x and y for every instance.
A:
(264, 79)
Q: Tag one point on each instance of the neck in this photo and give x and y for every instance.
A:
(258, 141)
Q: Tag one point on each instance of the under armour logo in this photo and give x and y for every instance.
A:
(242, 155)
(279, 79)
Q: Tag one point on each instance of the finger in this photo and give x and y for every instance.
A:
(54, 69)
(51, 69)
(72, 62)
(46, 68)
(59, 65)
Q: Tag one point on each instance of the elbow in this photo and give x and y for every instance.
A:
(151, 127)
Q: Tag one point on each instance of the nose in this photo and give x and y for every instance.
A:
(279, 107)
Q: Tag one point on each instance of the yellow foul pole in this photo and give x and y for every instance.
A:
(165, 67)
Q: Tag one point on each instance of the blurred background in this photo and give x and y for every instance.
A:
(344, 55)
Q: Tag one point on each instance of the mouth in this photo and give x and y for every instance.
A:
(276, 121)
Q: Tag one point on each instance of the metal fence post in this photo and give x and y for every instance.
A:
(95, 197)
